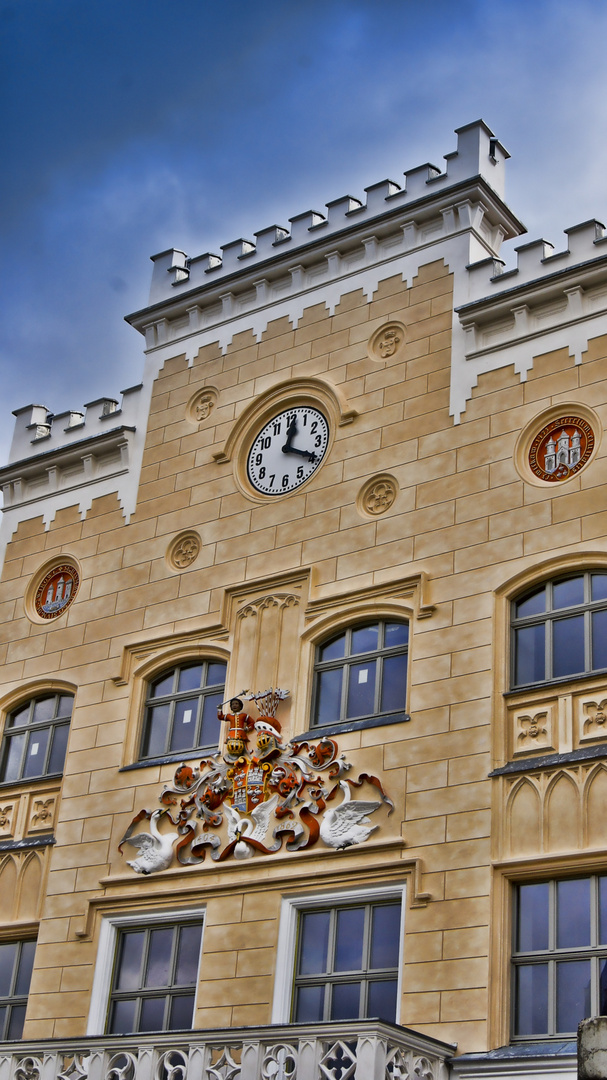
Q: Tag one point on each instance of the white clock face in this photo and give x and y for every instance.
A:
(288, 450)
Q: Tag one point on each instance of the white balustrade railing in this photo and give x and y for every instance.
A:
(355, 1050)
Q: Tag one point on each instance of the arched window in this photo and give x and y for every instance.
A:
(361, 673)
(559, 629)
(35, 738)
(181, 708)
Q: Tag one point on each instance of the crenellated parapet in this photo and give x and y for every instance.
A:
(546, 293)
(479, 155)
(71, 457)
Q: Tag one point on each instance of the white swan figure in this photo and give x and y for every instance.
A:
(242, 828)
(347, 823)
(155, 848)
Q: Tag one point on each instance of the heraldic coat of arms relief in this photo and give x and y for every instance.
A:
(268, 794)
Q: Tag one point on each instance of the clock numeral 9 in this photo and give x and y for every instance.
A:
(258, 459)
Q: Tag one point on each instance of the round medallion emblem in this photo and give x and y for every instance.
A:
(561, 448)
(56, 591)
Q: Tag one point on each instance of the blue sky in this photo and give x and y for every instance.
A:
(130, 126)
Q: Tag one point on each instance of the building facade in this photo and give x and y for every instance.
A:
(304, 685)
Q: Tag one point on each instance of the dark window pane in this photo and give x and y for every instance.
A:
(599, 586)
(157, 727)
(568, 646)
(216, 674)
(310, 1004)
(182, 1013)
(163, 686)
(365, 639)
(396, 633)
(159, 958)
(349, 939)
(599, 639)
(328, 704)
(20, 717)
(211, 726)
(385, 937)
(44, 709)
(12, 757)
(152, 1014)
(394, 683)
(129, 967)
(382, 999)
(65, 706)
(531, 1017)
(56, 759)
(569, 592)
(123, 1017)
(603, 988)
(8, 956)
(3, 1018)
(314, 942)
(572, 994)
(361, 690)
(532, 917)
(334, 649)
(573, 913)
(530, 661)
(190, 678)
(533, 604)
(16, 1021)
(35, 755)
(188, 954)
(26, 964)
(184, 724)
(345, 1003)
(603, 913)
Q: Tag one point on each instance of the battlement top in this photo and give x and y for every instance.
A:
(479, 154)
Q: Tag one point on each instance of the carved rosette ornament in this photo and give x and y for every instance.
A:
(56, 591)
(386, 342)
(297, 792)
(561, 448)
(184, 550)
(377, 495)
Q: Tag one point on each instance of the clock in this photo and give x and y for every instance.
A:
(288, 450)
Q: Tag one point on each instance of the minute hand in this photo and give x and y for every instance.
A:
(309, 454)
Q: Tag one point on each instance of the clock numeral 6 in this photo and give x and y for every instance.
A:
(285, 480)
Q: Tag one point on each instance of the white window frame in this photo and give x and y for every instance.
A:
(287, 937)
(111, 926)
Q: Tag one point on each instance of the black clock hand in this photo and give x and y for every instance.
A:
(291, 431)
(309, 454)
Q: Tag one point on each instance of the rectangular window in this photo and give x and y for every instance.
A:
(339, 957)
(559, 956)
(16, 963)
(154, 981)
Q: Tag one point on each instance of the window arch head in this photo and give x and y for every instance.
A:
(360, 674)
(35, 738)
(181, 708)
(559, 629)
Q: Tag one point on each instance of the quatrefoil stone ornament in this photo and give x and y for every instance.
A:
(184, 550)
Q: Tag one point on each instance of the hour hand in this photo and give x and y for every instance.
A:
(309, 454)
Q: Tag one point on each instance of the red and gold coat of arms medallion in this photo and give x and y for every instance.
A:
(561, 448)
